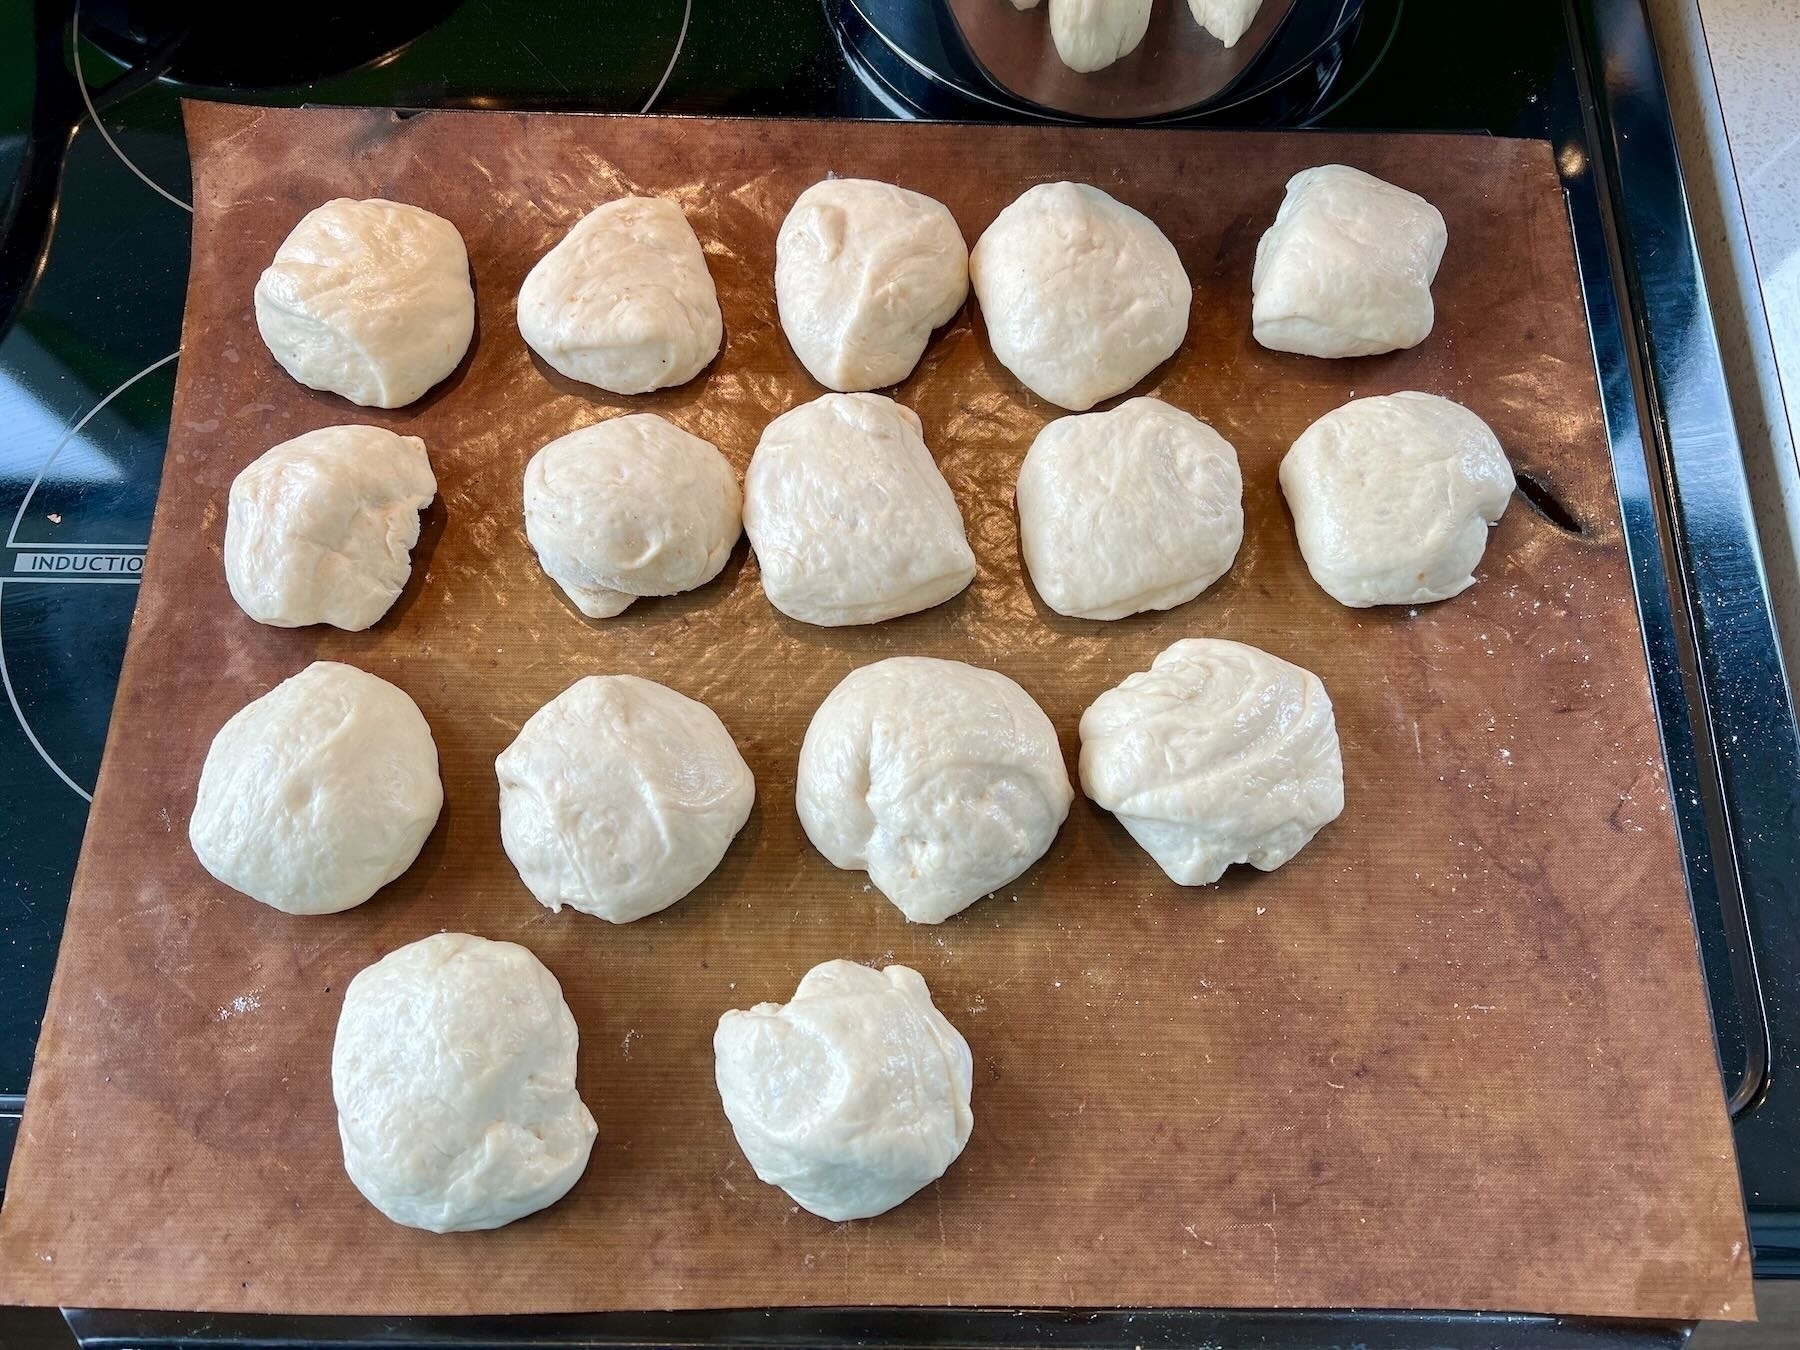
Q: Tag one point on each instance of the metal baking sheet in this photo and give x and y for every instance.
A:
(1454, 1055)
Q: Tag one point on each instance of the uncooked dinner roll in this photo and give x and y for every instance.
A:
(1138, 508)
(864, 272)
(1082, 295)
(370, 300)
(321, 528)
(454, 1078)
(624, 302)
(848, 515)
(1218, 754)
(1347, 267)
(631, 507)
(619, 796)
(1227, 20)
(942, 781)
(1392, 498)
(1091, 34)
(851, 1097)
(319, 793)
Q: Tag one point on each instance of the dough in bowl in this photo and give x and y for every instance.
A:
(851, 1097)
(1138, 508)
(864, 271)
(320, 529)
(624, 302)
(848, 515)
(319, 793)
(633, 506)
(1347, 267)
(1082, 295)
(454, 1077)
(1393, 497)
(1227, 20)
(619, 796)
(1218, 754)
(1091, 34)
(370, 300)
(941, 780)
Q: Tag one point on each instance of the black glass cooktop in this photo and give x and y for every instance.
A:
(94, 261)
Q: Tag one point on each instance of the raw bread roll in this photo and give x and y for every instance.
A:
(1138, 508)
(864, 271)
(1025, 4)
(630, 507)
(624, 302)
(1392, 498)
(1082, 295)
(1347, 267)
(942, 781)
(1091, 34)
(370, 300)
(851, 1097)
(1218, 754)
(319, 793)
(320, 529)
(619, 796)
(454, 1077)
(848, 515)
(1227, 20)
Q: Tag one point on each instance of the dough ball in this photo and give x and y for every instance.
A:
(370, 300)
(1082, 295)
(1218, 754)
(1227, 20)
(619, 796)
(1138, 508)
(849, 517)
(321, 528)
(1347, 267)
(319, 793)
(1392, 498)
(942, 781)
(630, 507)
(454, 1077)
(1091, 34)
(864, 272)
(1025, 4)
(624, 302)
(853, 1096)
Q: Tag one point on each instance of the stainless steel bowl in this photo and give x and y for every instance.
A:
(948, 58)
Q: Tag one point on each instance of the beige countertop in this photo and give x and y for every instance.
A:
(1733, 71)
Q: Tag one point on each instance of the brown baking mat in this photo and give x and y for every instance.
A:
(1455, 1055)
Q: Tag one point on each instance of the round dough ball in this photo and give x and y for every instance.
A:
(370, 300)
(1392, 498)
(619, 796)
(864, 272)
(624, 302)
(454, 1077)
(853, 1096)
(1082, 295)
(630, 507)
(319, 793)
(849, 517)
(321, 528)
(1138, 508)
(943, 781)
(1091, 34)
(1218, 754)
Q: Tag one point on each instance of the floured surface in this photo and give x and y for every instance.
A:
(1455, 1054)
